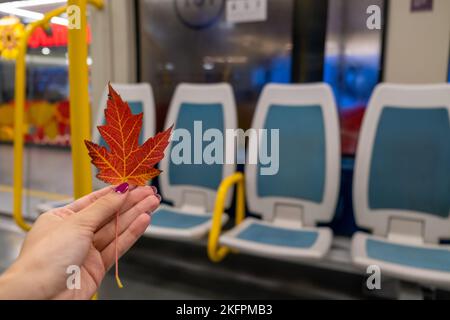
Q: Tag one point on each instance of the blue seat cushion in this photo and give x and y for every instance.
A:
(278, 236)
(416, 257)
(167, 218)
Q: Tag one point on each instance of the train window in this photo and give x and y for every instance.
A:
(249, 55)
(193, 41)
(353, 56)
(47, 105)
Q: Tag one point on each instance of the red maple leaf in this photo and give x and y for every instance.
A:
(126, 160)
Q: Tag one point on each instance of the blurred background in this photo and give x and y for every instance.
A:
(245, 43)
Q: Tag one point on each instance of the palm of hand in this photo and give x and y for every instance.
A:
(79, 252)
(60, 239)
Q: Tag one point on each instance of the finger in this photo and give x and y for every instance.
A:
(88, 199)
(125, 240)
(135, 196)
(106, 234)
(92, 197)
(97, 213)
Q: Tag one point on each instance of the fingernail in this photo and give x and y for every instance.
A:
(158, 196)
(155, 191)
(122, 188)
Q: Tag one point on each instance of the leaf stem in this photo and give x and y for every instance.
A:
(119, 283)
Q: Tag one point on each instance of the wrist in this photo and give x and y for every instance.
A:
(10, 287)
(18, 283)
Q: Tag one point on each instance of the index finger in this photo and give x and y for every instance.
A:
(88, 199)
(100, 211)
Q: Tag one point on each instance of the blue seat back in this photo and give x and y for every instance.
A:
(190, 179)
(401, 185)
(410, 165)
(203, 175)
(304, 190)
(302, 153)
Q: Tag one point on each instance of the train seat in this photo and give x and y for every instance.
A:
(188, 182)
(304, 191)
(140, 99)
(402, 184)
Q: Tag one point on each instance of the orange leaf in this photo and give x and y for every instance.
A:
(126, 160)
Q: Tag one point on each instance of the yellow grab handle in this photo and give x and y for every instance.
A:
(215, 252)
(19, 99)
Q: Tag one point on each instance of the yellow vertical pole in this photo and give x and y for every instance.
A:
(19, 101)
(80, 113)
(79, 101)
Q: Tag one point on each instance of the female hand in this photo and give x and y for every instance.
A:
(81, 234)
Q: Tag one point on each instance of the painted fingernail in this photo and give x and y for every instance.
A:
(158, 196)
(122, 188)
(155, 191)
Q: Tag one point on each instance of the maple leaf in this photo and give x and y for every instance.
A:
(126, 160)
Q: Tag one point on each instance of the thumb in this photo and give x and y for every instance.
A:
(103, 209)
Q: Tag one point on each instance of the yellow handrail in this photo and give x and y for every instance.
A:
(19, 92)
(215, 252)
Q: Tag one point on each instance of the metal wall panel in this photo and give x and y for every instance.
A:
(353, 55)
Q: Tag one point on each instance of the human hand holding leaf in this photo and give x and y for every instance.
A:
(126, 160)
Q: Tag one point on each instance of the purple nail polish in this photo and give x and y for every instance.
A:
(122, 188)
(158, 196)
(155, 191)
